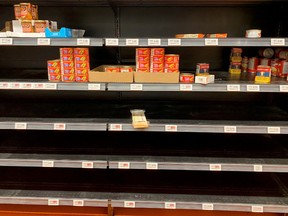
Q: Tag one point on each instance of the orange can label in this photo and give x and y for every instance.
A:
(81, 78)
(81, 58)
(54, 77)
(84, 64)
(81, 51)
(171, 58)
(54, 70)
(157, 65)
(68, 71)
(112, 69)
(143, 58)
(67, 57)
(25, 11)
(68, 64)
(68, 78)
(142, 65)
(81, 71)
(64, 51)
(142, 51)
(126, 69)
(54, 63)
(157, 51)
(157, 59)
(172, 65)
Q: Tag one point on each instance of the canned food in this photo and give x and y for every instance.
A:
(25, 11)
(67, 57)
(244, 64)
(112, 69)
(34, 12)
(186, 77)
(252, 64)
(172, 65)
(157, 65)
(275, 67)
(157, 51)
(81, 71)
(81, 51)
(17, 11)
(64, 51)
(266, 52)
(277, 51)
(40, 25)
(67, 64)
(265, 61)
(202, 68)
(143, 58)
(157, 59)
(283, 68)
(27, 26)
(81, 58)
(142, 65)
(283, 54)
(171, 58)
(54, 63)
(126, 69)
(54, 77)
(142, 51)
(67, 71)
(54, 70)
(68, 78)
(83, 78)
(235, 68)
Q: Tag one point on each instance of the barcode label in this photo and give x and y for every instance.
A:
(50, 86)
(174, 42)
(96, 86)
(207, 206)
(129, 204)
(257, 209)
(277, 42)
(253, 88)
(273, 130)
(59, 126)
(111, 41)
(53, 202)
(87, 165)
(132, 42)
(170, 205)
(123, 165)
(78, 202)
(154, 42)
(83, 42)
(211, 42)
(186, 87)
(43, 41)
(171, 128)
(283, 88)
(47, 163)
(6, 41)
(215, 167)
(233, 88)
(152, 166)
(136, 87)
(258, 168)
(230, 129)
(21, 125)
(116, 127)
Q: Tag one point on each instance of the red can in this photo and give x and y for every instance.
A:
(142, 51)
(81, 51)
(68, 77)
(187, 77)
(83, 78)
(143, 58)
(81, 58)
(157, 51)
(54, 70)
(157, 59)
(67, 57)
(54, 77)
(172, 66)
(54, 63)
(252, 64)
(65, 51)
(157, 65)
(67, 64)
(125, 69)
(275, 67)
(84, 64)
(171, 58)
(112, 69)
(81, 71)
(142, 65)
(283, 68)
(68, 71)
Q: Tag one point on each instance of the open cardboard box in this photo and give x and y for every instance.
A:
(98, 75)
(148, 77)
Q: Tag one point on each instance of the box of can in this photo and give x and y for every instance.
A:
(157, 70)
(68, 71)
(252, 64)
(65, 51)
(143, 51)
(283, 68)
(54, 77)
(186, 77)
(17, 11)
(81, 71)
(54, 70)
(202, 68)
(171, 58)
(68, 77)
(143, 58)
(275, 67)
(83, 78)
(54, 63)
(157, 59)
(26, 11)
(67, 57)
(81, 51)
(67, 64)
(81, 58)
(126, 69)
(157, 51)
(112, 69)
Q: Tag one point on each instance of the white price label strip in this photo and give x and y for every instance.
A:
(233, 88)
(154, 42)
(230, 129)
(174, 42)
(83, 42)
(257, 209)
(129, 204)
(115, 127)
(47, 163)
(136, 87)
(43, 41)
(14, 85)
(87, 165)
(277, 42)
(38, 85)
(123, 165)
(170, 205)
(96, 86)
(111, 42)
(53, 202)
(186, 87)
(171, 128)
(274, 130)
(258, 168)
(215, 167)
(6, 41)
(78, 202)
(26, 85)
(21, 125)
(152, 166)
(283, 88)
(207, 206)
(132, 42)
(253, 88)
(4, 85)
(211, 42)
(50, 86)
(59, 126)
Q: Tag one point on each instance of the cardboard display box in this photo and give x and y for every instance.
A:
(146, 77)
(98, 75)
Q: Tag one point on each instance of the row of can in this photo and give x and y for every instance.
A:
(26, 11)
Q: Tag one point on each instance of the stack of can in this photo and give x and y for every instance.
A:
(235, 61)
(67, 65)
(54, 70)
(143, 59)
(81, 64)
(171, 63)
(157, 60)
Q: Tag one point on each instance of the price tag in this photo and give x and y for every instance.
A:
(4, 85)
(136, 87)
(253, 88)
(170, 205)
(111, 42)
(211, 42)
(277, 42)
(96, 86)
(78, 202)
(6, 41)
(230, 129)
(43, 41)
(38, 86)
(20, 125)
(258, 168)
(59, 126)
(152, 166)
(132, 42)
(274, 130)
(129, 204)
(123, 165)
(233, 88)
(83, 42)
(257, 209)
(87, 165)
(154, 42)
(171, 128)
(115, 127)
(47, 163)
(215, 167)
(15, 85)
(26, 85)
(174, 42)
(207, 206)
(186, 87)
(283, 88)
(50, 86)
(53, 202)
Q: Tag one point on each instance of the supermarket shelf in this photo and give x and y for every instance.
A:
(53, 160)
(46, 85)
(197, 42)
(205, 126)
(52, 42)
(196, 163)
(53, 124)
(202, 202)
(53, 198)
